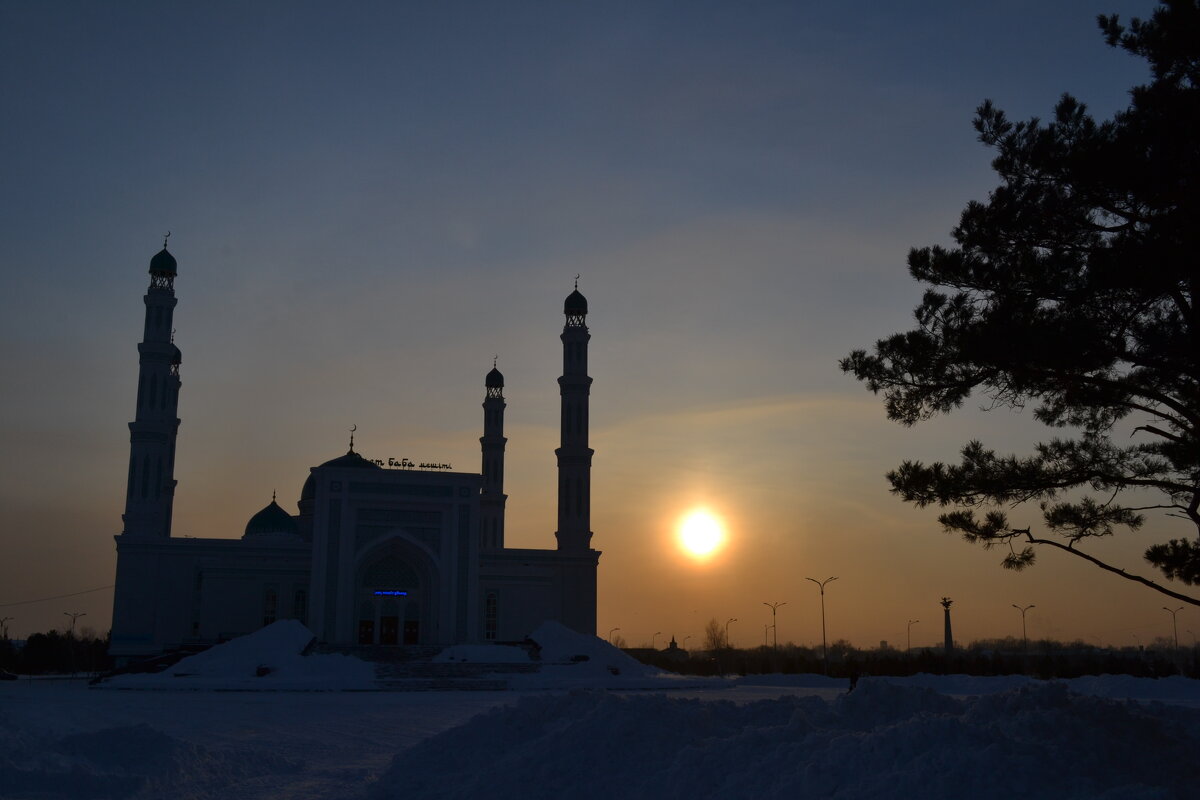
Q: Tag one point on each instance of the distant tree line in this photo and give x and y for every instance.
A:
(56, 652)
(1043, 659)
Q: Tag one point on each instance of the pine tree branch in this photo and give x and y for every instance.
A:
(1183, 598)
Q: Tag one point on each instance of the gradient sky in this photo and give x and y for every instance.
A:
(368, 201)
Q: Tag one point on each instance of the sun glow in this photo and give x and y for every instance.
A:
(701, 533)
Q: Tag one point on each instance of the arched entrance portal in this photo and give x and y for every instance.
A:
(391, 599)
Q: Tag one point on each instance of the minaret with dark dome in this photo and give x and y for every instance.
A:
(151, 486)
(493, 498)
(574, 456)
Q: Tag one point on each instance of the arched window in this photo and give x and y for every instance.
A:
(300, 605)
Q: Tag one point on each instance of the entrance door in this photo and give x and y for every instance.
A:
(412, 631)
(389, 628)
(366, 631)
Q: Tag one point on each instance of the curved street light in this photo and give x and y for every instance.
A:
(911, 622)
(775, 630)
(610, 633)
(1174, 625)
(727, 643)
(655, 636)
(74, 615)
(824, 649)
(1024, 637)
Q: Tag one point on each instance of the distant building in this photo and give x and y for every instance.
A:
(401, 554)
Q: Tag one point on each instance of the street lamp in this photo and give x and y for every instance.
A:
(655, 636)
(1174, 625)
(610, 633)
(911, 622)
(727, 643)
(74, 615)
(684, 645)
(773, 607)
(824, 649)
(1024, 638)
(4, 625)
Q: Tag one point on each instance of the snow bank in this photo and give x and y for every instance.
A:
(125, 761)
(571, 659)
(274, 651)
(882, 740)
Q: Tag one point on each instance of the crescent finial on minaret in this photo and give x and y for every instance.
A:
(168, 236)
(353, 428)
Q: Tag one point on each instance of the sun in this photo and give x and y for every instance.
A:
(701, 533)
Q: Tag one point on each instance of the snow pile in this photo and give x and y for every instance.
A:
(128, 761)
(882, 740)
(571, 659)
(267, 659)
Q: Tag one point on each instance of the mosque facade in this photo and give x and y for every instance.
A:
(376, 555)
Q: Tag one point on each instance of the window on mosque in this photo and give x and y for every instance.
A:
(270, 605)
(490, 616)
(300, 606)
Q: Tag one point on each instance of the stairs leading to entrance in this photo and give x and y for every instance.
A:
(411, 668)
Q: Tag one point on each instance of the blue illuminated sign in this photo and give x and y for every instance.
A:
(390, 593)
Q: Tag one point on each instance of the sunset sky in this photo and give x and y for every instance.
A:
(369, 201)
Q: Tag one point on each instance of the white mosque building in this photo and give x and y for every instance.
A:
(375, 555)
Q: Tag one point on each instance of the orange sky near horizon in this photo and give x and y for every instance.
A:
(368, 207)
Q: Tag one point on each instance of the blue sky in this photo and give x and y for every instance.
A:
(368, 201)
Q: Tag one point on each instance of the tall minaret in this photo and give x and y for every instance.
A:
(574, 456)
(151, 489)
(491, 502)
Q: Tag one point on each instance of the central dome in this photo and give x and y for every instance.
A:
(351, 459)
(494, 379)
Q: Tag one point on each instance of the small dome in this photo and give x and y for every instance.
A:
(575, 305)
(271, 521)
(494, 379)
(163, 263)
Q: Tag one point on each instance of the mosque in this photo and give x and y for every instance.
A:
(401, 554)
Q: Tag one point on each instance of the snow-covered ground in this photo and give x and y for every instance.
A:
(599, 727)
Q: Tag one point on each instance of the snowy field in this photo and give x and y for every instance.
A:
(578, 730)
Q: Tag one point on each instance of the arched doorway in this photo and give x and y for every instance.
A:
(392, 599)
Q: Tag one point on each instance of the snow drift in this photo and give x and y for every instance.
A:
(268, 659)
(882, 740)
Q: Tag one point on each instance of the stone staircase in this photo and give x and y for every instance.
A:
(411, 668)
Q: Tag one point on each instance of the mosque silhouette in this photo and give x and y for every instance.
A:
(398, 554)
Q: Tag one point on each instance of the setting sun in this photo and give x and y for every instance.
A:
(700, 533)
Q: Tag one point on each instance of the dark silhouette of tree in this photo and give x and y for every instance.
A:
(1071, 290)
(714, 636)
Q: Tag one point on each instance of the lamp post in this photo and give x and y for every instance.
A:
(775, 630)
(824, 649)
(74, 615)
(655, 636)
(610, 633)
(4, 625)
(1174, 624)
(727, 642)
(685, 641)
(1024, 637)
(911, 622)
